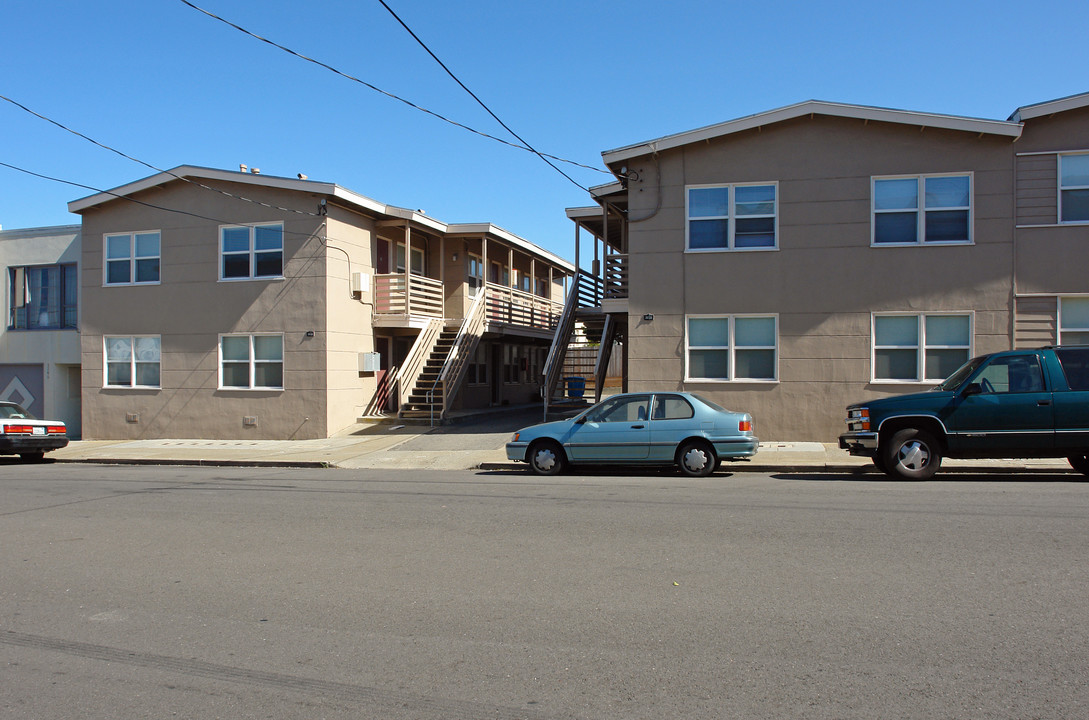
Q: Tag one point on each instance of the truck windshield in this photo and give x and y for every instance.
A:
(961, 374)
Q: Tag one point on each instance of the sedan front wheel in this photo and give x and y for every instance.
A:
(546, 457)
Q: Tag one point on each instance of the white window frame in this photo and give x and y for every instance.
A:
(730, 217)
(251, 252)
(252, 362)
(731, 348)
(1062, 328)
(131, 258)
(474, 281)
(921, 347)
(1059, 183)
(133, 362)
(921, 210)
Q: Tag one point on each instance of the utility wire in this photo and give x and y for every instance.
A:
(474, 97)
(149, 165)
(390, 95)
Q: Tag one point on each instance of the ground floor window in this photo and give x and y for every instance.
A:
(920, 347)
(477, 371)
(1074, 321)
(732, 347)
(251, 362)
(133, 360)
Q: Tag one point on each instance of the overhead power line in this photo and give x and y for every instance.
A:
(400, 99)
(149, 165)
(474, 97)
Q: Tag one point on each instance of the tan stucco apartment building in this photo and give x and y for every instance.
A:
(221, 304)
(793, 261)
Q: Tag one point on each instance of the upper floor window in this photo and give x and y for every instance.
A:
(249, 362)
(1074, 188)
(132, 258)
(133, 361)
(926, 208)
(732, 217)
(251, 251)
(1074, 321)
(42, 297)
(729, 347)
(474, 271)
(417, 259)
(920, 348)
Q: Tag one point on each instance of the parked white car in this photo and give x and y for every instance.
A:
(25, 435)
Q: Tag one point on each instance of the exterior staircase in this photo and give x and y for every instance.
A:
(425, 399)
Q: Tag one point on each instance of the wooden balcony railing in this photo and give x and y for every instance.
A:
(422, 297)
(616, 276)
(515, 307)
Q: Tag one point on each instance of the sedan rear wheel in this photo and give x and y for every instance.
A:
(696, 459)
(32, 456)
(546, 457)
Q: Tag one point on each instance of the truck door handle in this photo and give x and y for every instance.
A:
(637, 427)
(1043, 403)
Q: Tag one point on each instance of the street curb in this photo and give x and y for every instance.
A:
(838, 469)
(302, 464)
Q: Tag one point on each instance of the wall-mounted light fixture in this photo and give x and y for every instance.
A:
(648, 317)
(454, 258)
(309, 333)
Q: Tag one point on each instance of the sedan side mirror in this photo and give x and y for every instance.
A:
(972, 389)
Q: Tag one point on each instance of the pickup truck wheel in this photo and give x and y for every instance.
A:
(1080, 463)
(879, 463)
(912, 454)
(546, 457)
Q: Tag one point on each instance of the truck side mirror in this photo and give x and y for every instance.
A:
(972, 389)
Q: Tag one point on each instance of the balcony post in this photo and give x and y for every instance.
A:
(408, 267)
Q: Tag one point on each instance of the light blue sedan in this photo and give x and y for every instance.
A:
(665, 428)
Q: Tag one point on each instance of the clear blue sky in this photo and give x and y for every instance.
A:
(170, 86)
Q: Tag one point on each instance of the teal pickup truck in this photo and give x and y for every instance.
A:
(1013, 404)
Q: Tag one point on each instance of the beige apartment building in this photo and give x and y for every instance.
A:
(791, 262)
(220, 304)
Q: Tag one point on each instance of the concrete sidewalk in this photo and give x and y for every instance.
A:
(389, 446)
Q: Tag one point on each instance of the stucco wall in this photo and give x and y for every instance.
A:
(190, 308)
(825, 279)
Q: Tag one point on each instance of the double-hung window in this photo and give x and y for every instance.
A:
(732, 217)
(251, 251)
(732, 347)
(474, 271)
(920, 348)
(922, 209)
(1074, 188)
(251, 362)
(133, 361)
(131, 258)
(42, 297)
(1074, 321)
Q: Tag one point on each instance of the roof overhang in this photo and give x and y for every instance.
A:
(1071, 102)
(1004, 128)
(194, 173)
(487, 229)
(387, 214)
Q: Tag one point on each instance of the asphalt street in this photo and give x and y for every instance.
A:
(139, 592)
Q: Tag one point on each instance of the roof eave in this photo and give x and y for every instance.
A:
(1004, 128)
(1071, 102)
